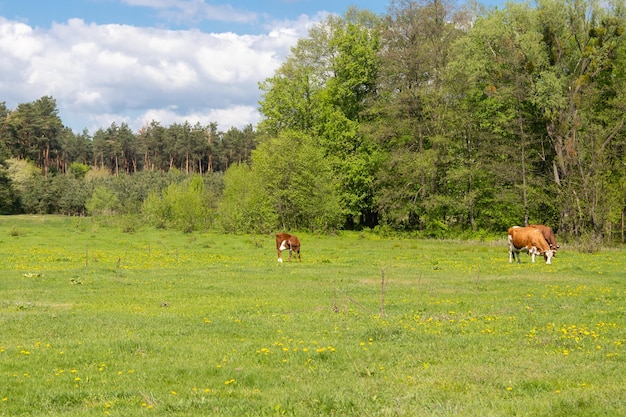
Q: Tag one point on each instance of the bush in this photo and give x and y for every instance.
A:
(245, 205)
(187, 206)
(103, 202)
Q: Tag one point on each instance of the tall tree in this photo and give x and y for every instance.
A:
(408, 117)
(32, 131)
(321, 90)
(583, 104)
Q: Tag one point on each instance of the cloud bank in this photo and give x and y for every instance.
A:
(101, 74)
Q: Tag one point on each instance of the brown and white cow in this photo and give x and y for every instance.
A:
(286, 241)
(548, 235)
(528, 239)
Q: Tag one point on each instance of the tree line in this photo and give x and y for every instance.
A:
(435, 117)
(34, 131)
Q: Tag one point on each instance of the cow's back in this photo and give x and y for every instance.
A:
(548, 235)
(528, 237)
(518, 237)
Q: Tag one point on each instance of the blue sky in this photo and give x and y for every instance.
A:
(134, 61)
(240, 16)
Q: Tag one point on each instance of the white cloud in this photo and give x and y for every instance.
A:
(100, 74)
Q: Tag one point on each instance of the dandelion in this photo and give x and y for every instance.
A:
(230, 381)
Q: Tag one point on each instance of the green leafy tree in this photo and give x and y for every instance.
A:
(245, 206)
(181, 206)
(298, 179)
(496, 124)
(103, 202)
(410, 118)
(321, 90)
(289, 186)
(78, 170)
(583, 106)
(32, 131)
(9, 203)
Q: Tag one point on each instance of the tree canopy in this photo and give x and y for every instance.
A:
(434, 117)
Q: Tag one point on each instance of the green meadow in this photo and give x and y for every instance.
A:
(98, 322)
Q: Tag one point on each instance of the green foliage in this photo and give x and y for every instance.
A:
(322, 91)
(430, 118)
(103, 202)
(246, 206)
(20, 171)
(58, 194)
(299, 182)
(78, 170)
(8, 199)
(289, 186)
(185, 206)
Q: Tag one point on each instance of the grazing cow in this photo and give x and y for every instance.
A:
(548, 235)
(528, 239)
(286, 241)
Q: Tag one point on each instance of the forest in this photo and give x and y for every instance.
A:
(436, 118)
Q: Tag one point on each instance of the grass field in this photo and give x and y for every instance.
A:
(98, 322)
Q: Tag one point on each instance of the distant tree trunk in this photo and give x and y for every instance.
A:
(623, 223)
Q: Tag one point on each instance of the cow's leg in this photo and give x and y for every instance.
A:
(511, 253)
(548, 256)
(533, 253)
(281, 248)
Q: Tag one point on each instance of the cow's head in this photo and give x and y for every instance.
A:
(294, 245)
(547, 255)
